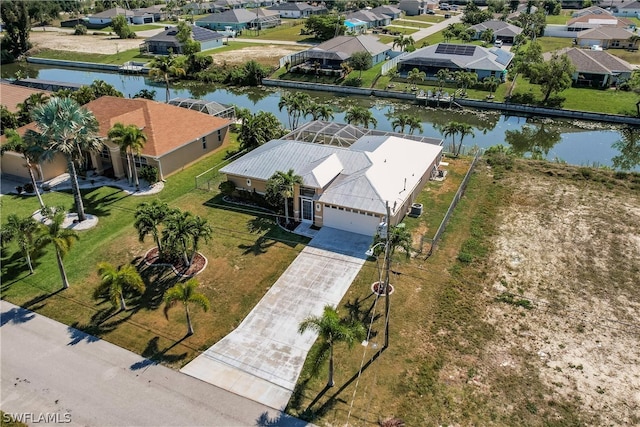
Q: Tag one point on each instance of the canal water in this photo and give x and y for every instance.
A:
(574, 143)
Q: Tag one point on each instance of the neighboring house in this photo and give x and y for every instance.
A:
(298, 10)
(457, 57)
(105, 17)
(592, 10)
(211, 108)
(195, 8)
(13, 94)
(416, 7)
(347, 188)
(355, 26)
(145, 15)
(586, 22)
(240, 19)
(372, 19)
(166, 42)
(391, 11)
(608, 38)
(176, 137)
(233, 4)
(596, 68)
(522, 9)
(501, 30)
(631, 10)
(332, 53)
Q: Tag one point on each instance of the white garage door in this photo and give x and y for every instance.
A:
(350, 221)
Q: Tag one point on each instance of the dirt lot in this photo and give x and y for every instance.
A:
(572, 248)
(267, 54)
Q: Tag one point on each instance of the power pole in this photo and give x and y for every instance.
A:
(387, 268)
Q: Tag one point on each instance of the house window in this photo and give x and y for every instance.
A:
(140, 161)
(219, 135)
(307, 192)
(204, 142)
(105, 154)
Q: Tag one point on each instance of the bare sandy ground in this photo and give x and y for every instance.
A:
(574, 252)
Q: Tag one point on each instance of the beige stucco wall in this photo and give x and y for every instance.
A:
(184, 156)
(241, 184)
(15, 165)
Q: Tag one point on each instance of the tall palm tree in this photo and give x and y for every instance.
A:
(30, 150)
(295, 103)
(332, 329)
(319, 111)
(177, 234)
(416, 76)
(186, 294)
(24, 231)
(149, 216)
(67, 128)
(286, 184)
(442, 76)
(61, 238)
(400, 122)
(357, 115)
(199, 229)
(25, 107)
(414, 124)
(451, 129)
(464, 129)
(491, 83)
(164, 68)
(115, 282)
(130, 139)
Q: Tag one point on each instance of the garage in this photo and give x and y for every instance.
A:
(338, 217)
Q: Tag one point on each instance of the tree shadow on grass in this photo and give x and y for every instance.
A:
(157, 280)
(93, 331)
(31, 304)
(98, 204)
(15, 268)
(16, 315)
(360, 314)
(153, 355)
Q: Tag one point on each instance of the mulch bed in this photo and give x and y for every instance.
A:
(177, 264)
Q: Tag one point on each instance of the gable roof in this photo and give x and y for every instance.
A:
(592, 10)
(299, 6)
(374, 170)
(630, 5)
(605, 33)
(499, 28)
(112, 13)
(367, 16)
(446, 55)
(12, 95)
(599, 20)
(595, 61)
(348, 45)
(240, 16)
(386, 10)
(167, 127)
(199, 34)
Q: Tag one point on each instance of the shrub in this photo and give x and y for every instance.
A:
(353, 81)
(227, 188)
(80, 30)
(28, 187)
(149, 174)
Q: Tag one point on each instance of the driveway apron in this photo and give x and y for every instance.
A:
(263, 357)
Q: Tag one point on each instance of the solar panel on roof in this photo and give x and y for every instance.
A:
(456, 49)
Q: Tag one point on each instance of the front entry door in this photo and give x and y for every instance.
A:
(307, 210)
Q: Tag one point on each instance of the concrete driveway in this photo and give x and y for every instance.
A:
(263, 357)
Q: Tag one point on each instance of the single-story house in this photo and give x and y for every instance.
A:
(596, 68)
(417, 7)
(391, 11)
(176, 138)
(145, 15)
(608, 38)
(631, 9)
(501, 30)
(240, 19)
(233, 4)
(332, 53)
(165, 42)
(355, 26)
(297, 10)
(372, 19)
(13, 94)
(347, 188)
(591, 10)
(457, 57)
(196, 8)
(106, 16)
(587, 22)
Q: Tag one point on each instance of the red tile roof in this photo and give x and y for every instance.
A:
(11, 95)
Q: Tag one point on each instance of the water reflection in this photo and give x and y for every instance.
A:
(629, 148)
(534, 140)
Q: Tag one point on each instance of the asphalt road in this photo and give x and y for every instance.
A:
(50, 371)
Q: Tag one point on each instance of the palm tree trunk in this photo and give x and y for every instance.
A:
(286, 210)
(65, 281)
(135, 172)
(129, 174)
(186, 258)
(156, 237)
(28, 258)
(166, 82)
(123, 304)
(189, 325)
(33, 182)
(75, 187)
(330, 383)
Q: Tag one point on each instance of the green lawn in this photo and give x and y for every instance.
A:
(549, 44)
(405, 31)
(290, 31)
(433, 19)
(561, 19)
(247, 254)
(409, 23)
(116, 58)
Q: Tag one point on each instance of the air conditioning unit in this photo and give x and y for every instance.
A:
(416, 209)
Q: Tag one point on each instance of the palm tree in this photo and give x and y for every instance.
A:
(115, 282)
(359, 115)
(23, 230)
(400, 122)
(414, 124)
(26, 106)
(319, 111)
(416, 76)
(286, 183)
(130, 139)
(176, 235)
(451, 129)
(295, 103)
(30, 150)
(61, 238)
(487, 35)
(442, 76)
(186, 294)
(67, 128)
(464, 129)
(491, 83)
(149, 216)
(164, 68)
(331, 329)
(199, 229)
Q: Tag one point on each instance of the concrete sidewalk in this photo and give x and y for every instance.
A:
(263, 357)
(54, 371)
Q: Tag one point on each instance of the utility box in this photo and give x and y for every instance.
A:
(416, 209)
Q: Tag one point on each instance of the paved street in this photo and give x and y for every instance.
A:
(50, 369)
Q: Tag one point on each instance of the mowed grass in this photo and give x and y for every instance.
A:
(410, 23)
(247, 254)
(432, 19)
(290, 31)
(116, 58)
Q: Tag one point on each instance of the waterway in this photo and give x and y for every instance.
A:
(579, 144)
